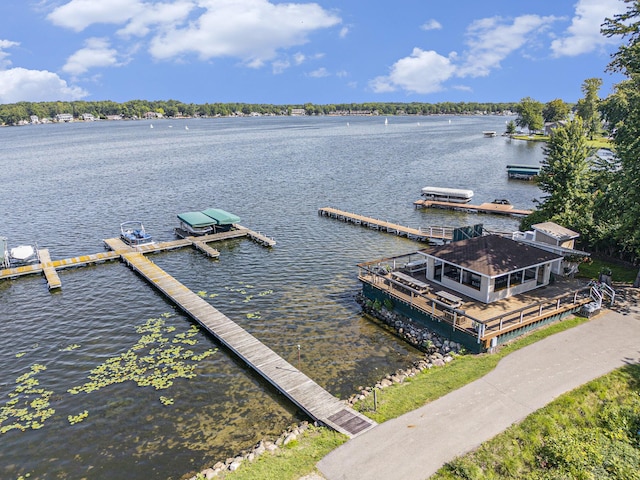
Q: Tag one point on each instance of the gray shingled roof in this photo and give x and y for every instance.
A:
(491, 255)
(556, 231)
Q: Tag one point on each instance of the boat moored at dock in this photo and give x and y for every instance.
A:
(451, 195)
(205, 222)
(523, 172)
(133, 233)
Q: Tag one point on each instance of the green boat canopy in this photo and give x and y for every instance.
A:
(197, 219)
(221, 217)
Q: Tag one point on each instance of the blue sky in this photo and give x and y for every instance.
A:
(327, 51)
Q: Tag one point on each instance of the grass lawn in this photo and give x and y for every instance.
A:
(589, 433)
(618, 273)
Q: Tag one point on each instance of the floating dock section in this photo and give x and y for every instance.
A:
(495, 208)
(420, 234)
(314, 400)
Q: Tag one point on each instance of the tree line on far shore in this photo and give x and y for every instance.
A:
(21, 112)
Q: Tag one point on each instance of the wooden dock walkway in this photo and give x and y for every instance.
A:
(496, 208)
(117, 247)
(421, 234)
(314, 400)
(50, 273)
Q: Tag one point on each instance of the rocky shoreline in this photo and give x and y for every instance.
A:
(438, 352)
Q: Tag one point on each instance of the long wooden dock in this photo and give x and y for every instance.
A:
(495, 208)
(421, 234)
(314, 400)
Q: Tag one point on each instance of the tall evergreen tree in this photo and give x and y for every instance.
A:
(622, 110)
(566, 177)
(587, 107)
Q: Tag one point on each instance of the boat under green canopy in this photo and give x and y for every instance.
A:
(221, 217)
(197, 219)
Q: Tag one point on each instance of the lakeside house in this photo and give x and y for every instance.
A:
(484, 290)
(64, 117)
(489, 267)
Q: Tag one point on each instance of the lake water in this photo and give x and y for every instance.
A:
(69, 186)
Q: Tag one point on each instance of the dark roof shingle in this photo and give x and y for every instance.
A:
(491, 255)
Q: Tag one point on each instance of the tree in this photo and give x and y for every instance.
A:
(566, 178)
(555, 111)
(530, 114)
(587, 107)
(511, 128)
(622, 110)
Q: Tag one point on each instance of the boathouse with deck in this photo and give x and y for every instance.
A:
(480, 292)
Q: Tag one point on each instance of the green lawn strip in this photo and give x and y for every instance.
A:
(429, 385)
(597, 143)
(589, 433)
(619, 273)
(292, 461)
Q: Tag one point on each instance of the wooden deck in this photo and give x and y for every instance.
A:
(319, 404)
(494, 208)
(479, 320)
(421, 234)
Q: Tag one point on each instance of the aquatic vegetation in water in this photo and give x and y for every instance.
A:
(71, 347)
(156, 360)
(166, 400)
(254, 315)
(73, 419)
(20, 354)
(28, 404)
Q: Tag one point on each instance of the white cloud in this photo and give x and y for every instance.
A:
(431, 25)
(4, 44)
(491, 40)
(319, 73)
(157, 15)
(96, 53)
(22, 85)
(252, 30)
(583, 35)
(79, 14)
(344, 31)
(279, 66)
(421, 72)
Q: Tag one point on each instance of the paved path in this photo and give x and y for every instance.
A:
(417, 444)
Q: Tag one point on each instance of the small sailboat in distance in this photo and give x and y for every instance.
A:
(151, 125)
(386, 121)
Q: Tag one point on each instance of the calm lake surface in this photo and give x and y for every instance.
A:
(69, 186)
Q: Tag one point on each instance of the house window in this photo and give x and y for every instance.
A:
(471, 279)
(529, 274)
(516, 278)
(500, 283)
(452, 272)
(437, 270)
